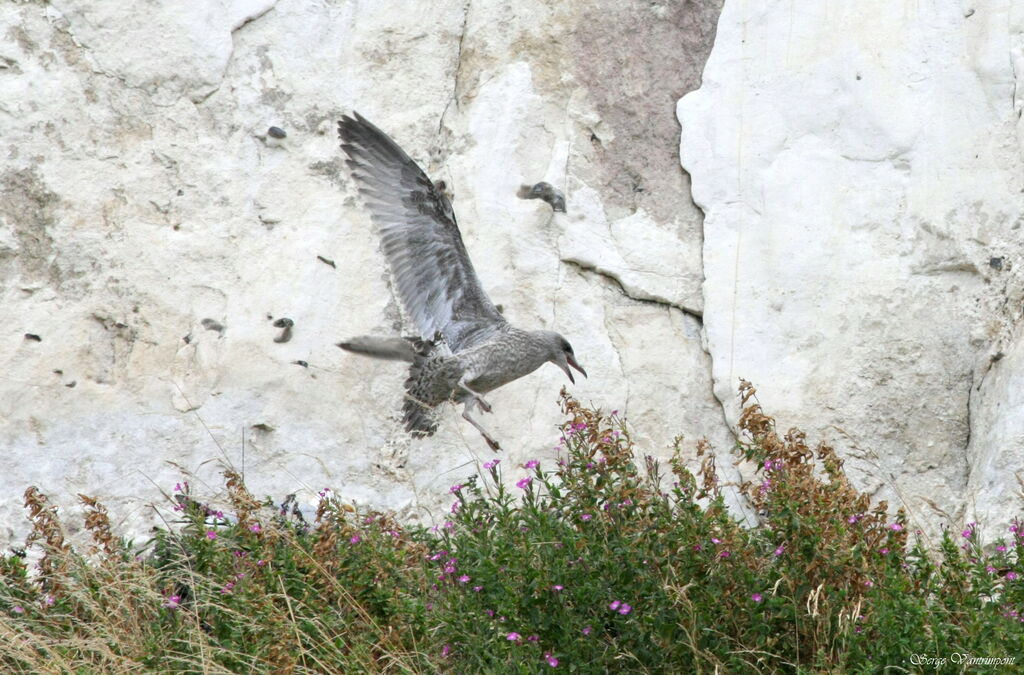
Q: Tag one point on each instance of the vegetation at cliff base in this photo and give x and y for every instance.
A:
(601, 561)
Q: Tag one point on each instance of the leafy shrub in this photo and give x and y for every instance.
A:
(601, 562)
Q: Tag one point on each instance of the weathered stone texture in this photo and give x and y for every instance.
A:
(151, 232)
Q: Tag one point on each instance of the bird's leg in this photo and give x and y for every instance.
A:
(465, 415)
(484, 405)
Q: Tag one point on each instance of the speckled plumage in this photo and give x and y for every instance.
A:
(466, 348)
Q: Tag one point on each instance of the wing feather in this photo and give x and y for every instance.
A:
(419, 237)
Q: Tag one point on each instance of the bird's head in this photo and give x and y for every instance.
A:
(561, 355)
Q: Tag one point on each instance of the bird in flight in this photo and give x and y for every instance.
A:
(465, 347)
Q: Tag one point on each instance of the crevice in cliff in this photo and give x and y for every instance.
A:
(589, 268)
(247, 20)
(458, 67)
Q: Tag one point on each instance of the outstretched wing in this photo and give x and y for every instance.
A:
(420, 239)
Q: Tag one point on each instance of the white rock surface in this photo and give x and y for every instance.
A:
(859, 166)
(142, 203)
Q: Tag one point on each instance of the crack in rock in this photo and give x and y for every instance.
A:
(639, 296)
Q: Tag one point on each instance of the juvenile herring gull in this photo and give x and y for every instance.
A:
(465, 347)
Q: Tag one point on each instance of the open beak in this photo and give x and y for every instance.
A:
(572, 362)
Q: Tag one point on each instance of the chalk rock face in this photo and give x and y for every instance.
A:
(859, 166)
(153, 232)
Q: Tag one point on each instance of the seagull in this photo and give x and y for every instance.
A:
(465, 347)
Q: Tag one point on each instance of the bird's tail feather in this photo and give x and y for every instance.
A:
(418, 415)
(389, 349)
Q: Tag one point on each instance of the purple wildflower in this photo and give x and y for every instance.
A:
(211, 535)
(514, 637)
(614, 605)
(552, 661)
(587, 630)
(524, 483)
(756, 597)
(625, 609)
(531, 464)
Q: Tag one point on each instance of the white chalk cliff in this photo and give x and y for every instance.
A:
(856, 252)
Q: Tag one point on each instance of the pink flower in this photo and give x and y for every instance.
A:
(756, 597)
(1011, 576)
(464, 578)
(895, 527)
(625, 609)
(514, 637)
(227, 587)
(724, 554)
(491, 464)
(780, 550)
(211, 535)
(557, 587)
(552, 661)
(585, 517)
(533, 638)
(455, 488)
(18, 609)
(990, 569)
(715, 540)
(531, 464)
(478, 588)
(255, 527)
(587, 630)
(49, 600)
(614, 605)
(490, 612)
(355, 539)
(524, 483)
(869, 583)
(1001, 548)
(884, 551)
(445, 651)
(455, 507)
(261, 563)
